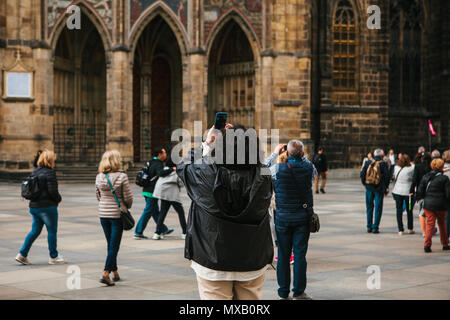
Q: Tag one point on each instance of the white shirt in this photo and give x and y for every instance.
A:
(392, 158)
(404, 180)
(216, 275)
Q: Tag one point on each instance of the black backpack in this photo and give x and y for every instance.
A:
(30, 188)
(142, 178)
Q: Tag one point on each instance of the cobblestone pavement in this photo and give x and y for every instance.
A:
(338, 257)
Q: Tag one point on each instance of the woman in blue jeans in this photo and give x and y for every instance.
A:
(110, 175)
(44, 209)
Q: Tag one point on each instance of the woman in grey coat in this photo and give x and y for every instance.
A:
(168, 190)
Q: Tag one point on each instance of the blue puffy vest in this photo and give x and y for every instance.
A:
(290, 194)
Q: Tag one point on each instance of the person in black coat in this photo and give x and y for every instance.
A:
(155, 169)
(43, 209)
(434, 188)
(422, 166)
(228, 237)
(321, 164)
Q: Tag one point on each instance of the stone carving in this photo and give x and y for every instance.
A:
(179, 7)
(56, 8)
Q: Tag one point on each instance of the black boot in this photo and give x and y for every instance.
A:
(427, 249)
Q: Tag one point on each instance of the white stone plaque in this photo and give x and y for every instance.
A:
(18, 84)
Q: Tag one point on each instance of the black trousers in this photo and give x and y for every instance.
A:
(165, 205)
(400, 201)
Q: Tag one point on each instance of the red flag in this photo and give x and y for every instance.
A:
(431, 128)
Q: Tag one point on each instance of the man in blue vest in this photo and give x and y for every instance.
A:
(293, 198)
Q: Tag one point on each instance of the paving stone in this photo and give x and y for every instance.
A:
(338, 256)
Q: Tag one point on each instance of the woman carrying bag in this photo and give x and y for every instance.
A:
(403, 173)
(111, 184)
(168, 189)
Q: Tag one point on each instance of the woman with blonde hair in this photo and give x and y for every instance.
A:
(44, 209)
(434, 188)
(109, 178)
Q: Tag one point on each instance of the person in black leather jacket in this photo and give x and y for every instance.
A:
(434, 188)
(44, 210)
(228, 237)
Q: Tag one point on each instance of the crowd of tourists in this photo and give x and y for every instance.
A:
(423, 181)
(238, 213)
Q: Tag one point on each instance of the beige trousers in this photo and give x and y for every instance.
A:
(231, 290)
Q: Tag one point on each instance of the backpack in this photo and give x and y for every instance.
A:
(373, 174)
(142, 179)
(30, 188)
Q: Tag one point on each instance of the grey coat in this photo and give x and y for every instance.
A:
(168, 188)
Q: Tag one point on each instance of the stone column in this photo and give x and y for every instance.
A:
(119, 123)
(194, 92)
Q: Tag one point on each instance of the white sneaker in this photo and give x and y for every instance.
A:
(400, 233)
(183, 236)
(57, 260)
(158, 237)
(23, 260)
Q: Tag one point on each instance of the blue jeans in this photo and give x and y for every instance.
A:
(113, 229)
(371, 197)
(41, 216)
(151, 210)
(292, 236)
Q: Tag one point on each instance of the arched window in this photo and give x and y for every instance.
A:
(405, 54)
(345, 54)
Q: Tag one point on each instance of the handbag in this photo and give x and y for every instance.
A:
(125, 215)
(314, 222)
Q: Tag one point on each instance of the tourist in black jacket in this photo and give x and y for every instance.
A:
(44, 210)
(228, 238)
(155, 169)
(321, 164)
(435, 190)
(422, 166)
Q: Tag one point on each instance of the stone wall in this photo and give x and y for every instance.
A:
(291, 40)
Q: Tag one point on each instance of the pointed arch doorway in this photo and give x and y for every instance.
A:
(157, 89)
(79, 94)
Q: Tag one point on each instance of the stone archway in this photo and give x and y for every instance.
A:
(79, 94)
(231, 76)
(157, 88)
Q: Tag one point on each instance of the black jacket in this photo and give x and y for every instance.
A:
(320, 162)
(49, 195)
(437, 195)
(155, 168)
(228, 225)
(420, 170)
(385, 176)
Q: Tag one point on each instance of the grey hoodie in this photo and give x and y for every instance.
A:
(107, 207)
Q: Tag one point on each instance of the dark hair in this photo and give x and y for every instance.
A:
(36, 158)
(248, 164)
(404, 161)
(320, 149)
(157, 151)
(426, 160)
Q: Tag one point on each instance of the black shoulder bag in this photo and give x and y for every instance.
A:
(125, 215)
(314, 223)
